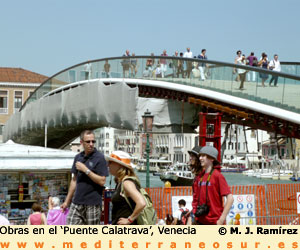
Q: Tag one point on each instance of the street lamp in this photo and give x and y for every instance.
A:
(147, 126)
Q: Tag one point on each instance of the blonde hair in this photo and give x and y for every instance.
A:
(123, 172)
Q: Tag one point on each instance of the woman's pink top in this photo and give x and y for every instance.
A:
(36, 219)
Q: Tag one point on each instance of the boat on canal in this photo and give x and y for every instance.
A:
(178, 175)
(156, 166)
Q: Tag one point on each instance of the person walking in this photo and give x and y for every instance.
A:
(150, 65)
(182, 214)
(37, 217)
(238, 55)
(194, 161)
(55, 214)
(189, 64)
(175, 63)
(133, 66)
(275, 66)
(126, 64)
(209, 190)
(107, 69)
(163, 64)
(180, 66)
(263, 63)
(202, 66)
(89, 173)
(242, 72)
(123, 213)
(252, 61)
(196, 169)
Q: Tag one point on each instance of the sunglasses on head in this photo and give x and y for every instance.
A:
(91, 141)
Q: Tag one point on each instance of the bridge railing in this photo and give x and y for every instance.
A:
(292, 68)
(218, 76)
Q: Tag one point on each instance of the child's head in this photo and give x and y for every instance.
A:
(181, 203)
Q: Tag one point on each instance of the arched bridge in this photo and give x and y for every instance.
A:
(116, 91)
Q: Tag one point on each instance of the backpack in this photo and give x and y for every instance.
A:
(148, 215)
(183, 217)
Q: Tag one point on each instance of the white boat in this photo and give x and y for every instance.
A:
(262, 172)
(178, 175)
(155, 165)
(249, 172)
(282, 175)
(266, 175)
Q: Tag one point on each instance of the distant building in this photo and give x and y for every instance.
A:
(128, 141)
(16, 85)
(173, 147)
(75, 145)
(235, 143)
(243, 145)
(105, 140)
(285, 148)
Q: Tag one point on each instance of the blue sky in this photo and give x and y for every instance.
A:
(50, 35)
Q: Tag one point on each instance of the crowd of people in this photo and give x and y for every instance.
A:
(83, 204)
(199, 70)
(209, 189)
(89, 173)
(55, 215)
(158, 68)
(252, 61)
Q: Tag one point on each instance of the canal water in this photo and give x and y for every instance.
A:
(231, 178)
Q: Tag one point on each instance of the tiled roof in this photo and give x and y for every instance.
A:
(20, 75)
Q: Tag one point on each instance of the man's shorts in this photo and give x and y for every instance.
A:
(84, 215)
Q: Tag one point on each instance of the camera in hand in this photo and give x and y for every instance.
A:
(202, 209)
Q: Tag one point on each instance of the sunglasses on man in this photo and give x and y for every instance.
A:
(90, 141)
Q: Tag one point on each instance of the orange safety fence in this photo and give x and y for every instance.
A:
(282, 201)
(162, 198)
(275, 203)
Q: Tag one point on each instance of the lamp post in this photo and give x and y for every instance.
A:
(147, 125)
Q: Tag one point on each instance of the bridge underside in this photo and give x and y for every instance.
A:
(231, 113)
(107, 102)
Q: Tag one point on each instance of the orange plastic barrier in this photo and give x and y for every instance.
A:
(282, 201)
(162, 198)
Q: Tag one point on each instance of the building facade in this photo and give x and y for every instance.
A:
(105, 138)
(16, 85)
(175, 146)
(284, 148)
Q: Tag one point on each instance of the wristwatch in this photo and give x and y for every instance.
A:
(87, 172)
